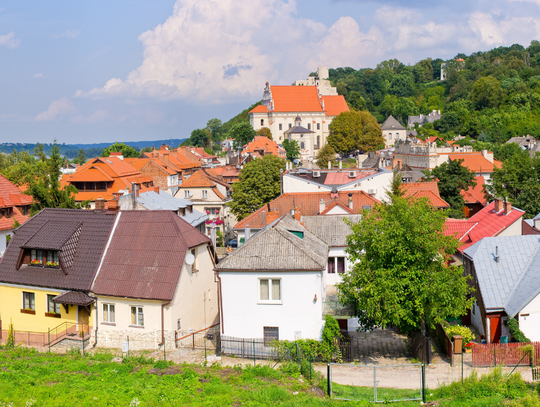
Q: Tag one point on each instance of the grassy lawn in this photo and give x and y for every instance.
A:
(29, 378)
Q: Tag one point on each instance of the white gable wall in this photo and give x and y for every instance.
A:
(244, 316)
(529, 319)
(515, 229)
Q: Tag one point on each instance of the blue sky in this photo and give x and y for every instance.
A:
(100, 71)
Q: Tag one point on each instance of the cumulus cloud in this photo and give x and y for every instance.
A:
(97, 116)
(494, 30)
(71, 34)
(9, 40)
(38, 75)
(57, 108)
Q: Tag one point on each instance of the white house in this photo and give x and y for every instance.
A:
(272, 287)
(156, 277)
(392, 131)
(505, 272)
(372, 181)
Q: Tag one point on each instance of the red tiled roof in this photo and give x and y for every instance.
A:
(266, 145)
(458, 227)
(335, 104)
(198, 180)
(11, 197)
(476, 194)
(146, 255)
(428, 190)
(309, 203)
(295, 99)
(341, 178)
(475, 161)
(259, 109)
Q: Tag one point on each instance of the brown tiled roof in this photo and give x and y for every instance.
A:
(94, 233)
(52, 235)
(73, 298)
(146, 255)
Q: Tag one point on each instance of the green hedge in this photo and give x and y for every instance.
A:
(515, 331)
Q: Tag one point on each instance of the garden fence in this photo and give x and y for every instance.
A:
(26, 338)
(207, 338)
(504, 354)
(376, 383)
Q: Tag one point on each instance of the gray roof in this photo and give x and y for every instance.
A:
(391, 124)
(276, 248)
(512, 282)
(331, 229)
(164, 201)
(298, 129)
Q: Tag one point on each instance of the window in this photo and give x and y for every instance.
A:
(318, 126)
(108, 313)
(271, 333)
(187, 194)
(290, 125)
(309, 126)
(389, 136)
(52, 256)
(29, 301)
(212, 211)
(24, 210)
(302, 145)
(52, 307)
(262, 122)
(280, 126)
(36, 256)
(270, 289)
(137, 316)
(366, 207)
(204, 193)
(194, 253)
(318, 140)
(336, 264)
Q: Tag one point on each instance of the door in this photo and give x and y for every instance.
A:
(495, 323)
(83, 317)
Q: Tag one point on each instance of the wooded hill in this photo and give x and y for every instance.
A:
(490, 96)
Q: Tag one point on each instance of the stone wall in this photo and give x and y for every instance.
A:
(144, 340)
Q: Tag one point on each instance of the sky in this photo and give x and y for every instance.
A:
(99, 71)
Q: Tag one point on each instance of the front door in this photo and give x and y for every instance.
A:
(495, 323)
(83, 318)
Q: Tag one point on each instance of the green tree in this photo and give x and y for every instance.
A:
(396, 190)
(199, 138)
(325, 155)
(486, 92)
(354, 130)
(399, 274)
(518, 180)
(292, 148)
(453, 178)
(81, 158)
(265, 132)
(39, 152)
(214, 126)
(258, 184)
(147, 149)
(402, 85)
(127, 151)
(45, 189)
(403, 108)
(242, 133)
(19, 165)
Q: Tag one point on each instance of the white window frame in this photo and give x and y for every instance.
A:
(204, 194)
(187, 195)
(109, 320)
(270, 300)
(139, 310)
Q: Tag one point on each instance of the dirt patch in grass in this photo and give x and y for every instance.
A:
(171, 370)
(226, 373)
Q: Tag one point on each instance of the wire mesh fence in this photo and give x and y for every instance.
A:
(376, 383)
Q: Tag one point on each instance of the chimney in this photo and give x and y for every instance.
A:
(322, 205)
(100, 204)
(133, 195)
(536, 223)
(166, 157)
(329, 165)
(112, 205)
(213, 236)
(497, 254)
(488, 155)
(350, 202)
(117, 155)
(247, 234)
(498, 205)
(298, 214)
(264, 219)
(340, 165)
(507, 207)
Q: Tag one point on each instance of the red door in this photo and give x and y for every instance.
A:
(495, 329)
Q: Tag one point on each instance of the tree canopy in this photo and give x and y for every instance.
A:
(453, 178)
(292, 148)
(258, 184)
(81, 158)
(127, 151)
(242, 133)
(399, 274)
(265, 132)
(325, 155)
(354, 130)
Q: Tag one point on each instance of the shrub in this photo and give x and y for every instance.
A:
(161, 364)
(518, 336)
(465, 332)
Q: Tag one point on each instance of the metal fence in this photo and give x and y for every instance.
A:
(207, 338)
(377, 384)
(504, 354)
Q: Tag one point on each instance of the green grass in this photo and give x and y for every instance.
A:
(340, 391)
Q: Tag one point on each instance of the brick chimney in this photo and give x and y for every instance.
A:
(498, 205)
(112, 205)
(298, 213)
(100, 204)
(507, 207)
(166, 157)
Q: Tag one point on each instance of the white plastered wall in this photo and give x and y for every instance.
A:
(529, 319)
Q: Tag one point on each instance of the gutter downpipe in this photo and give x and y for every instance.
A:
(163, 322)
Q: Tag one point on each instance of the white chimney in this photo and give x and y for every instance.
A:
(247, 233)
(322, 205)
(329, 164)
(488, 155)
(340, 165)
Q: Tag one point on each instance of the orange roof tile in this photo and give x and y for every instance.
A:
(476, 194)
(475, 161)
(197, 180)
(334, 105)
(295, 99)
(266, 145)
(428, 190)
(259, 109)
(11, 196)
(310, 204)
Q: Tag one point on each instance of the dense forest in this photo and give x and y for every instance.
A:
(489, 96)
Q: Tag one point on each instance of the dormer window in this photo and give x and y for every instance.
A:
(47, 258)
(36, 257)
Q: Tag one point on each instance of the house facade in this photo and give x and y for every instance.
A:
(392, 131)
(279, 272)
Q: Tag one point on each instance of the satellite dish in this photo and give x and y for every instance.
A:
(190, 259)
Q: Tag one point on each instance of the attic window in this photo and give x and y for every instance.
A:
(298, 233)
(42, 258)
(6, 212)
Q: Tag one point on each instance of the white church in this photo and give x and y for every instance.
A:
(301, 112)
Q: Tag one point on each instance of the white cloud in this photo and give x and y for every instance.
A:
(97, 116)
(9, 40)
(492, 30)
(71, 34)
(56, 108)
(38, 75)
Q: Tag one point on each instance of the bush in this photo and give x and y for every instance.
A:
(518, 336)
(452, 330)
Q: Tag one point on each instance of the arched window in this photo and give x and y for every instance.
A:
(389, 136)
(302, 145)
(262, 122)
(309, 126)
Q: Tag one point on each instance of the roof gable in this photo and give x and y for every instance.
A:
(335, 104)
(391, 124)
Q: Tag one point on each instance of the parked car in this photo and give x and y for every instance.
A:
(232, 243)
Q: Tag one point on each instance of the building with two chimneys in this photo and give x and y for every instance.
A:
(527, 143)
(422, 119)
(312, 105)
